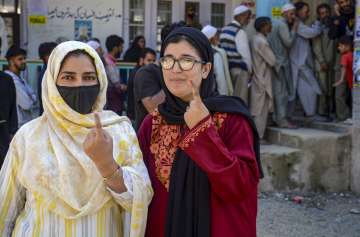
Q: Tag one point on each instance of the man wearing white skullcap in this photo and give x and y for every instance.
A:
(209, 31)
(95, 45)
(281, 39)
(234, 40)
(287, 7)
(240, 10)
(221, 64)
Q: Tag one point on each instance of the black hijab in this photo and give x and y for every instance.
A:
(134, 52)
(188, 211)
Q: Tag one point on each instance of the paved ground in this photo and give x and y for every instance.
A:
(318, 215)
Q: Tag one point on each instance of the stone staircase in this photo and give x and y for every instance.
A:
(316, 157)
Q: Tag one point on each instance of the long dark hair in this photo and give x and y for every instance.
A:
(135, 43)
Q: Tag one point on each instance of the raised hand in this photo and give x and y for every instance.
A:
(196, 111)
(295, 26)
(337, 9)
(98, 145)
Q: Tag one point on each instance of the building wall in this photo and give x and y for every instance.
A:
(150, 15)
(178, 13)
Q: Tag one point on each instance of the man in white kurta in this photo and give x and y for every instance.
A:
(261, 96)
(221, 65)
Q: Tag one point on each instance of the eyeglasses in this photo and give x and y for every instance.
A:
(184, 63)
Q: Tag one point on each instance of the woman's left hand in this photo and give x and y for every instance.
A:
(98, 145)
(196, 111)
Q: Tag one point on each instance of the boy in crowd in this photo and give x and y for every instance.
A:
(345, 47)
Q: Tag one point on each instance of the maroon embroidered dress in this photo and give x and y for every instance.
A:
(222, 146)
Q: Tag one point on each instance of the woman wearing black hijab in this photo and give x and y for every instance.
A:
(201, 149)
(134, 52)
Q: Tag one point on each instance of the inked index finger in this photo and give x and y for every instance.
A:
(195, 90)
(98, 125)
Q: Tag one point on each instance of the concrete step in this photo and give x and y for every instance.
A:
(280, 168)
(320, 162)
(339, 127)
(332, 127)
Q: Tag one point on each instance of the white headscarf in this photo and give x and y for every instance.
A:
(63, 178)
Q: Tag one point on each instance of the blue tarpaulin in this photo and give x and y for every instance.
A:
(270, 8)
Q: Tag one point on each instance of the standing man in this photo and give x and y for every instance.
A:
(261, 96)
(281, 39)
(147, 57)
(116, 89)
(148, 92)
(305, 83)
(8, 113)
(324, 50)
(234, 40)
(25, 96)
(221, 65)
(45, 50)
(344, 20)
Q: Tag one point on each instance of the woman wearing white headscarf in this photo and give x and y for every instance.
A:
(68, 172)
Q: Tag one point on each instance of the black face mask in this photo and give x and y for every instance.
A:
(81, 99)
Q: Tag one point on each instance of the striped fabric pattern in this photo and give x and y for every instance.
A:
(34, 220)
(227, 42)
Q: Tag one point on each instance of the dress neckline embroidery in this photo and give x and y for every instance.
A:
(165, 141)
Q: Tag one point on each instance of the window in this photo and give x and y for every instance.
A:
(192, 14)
(136, 18)
(218, 15)
(8, 6)
(10, 14)
(163, 18)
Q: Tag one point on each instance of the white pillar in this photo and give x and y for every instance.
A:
(355, 162)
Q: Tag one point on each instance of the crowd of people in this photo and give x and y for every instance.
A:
(287, 61)
(200, 112)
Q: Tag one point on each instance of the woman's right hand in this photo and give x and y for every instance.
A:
(98, 145)
(197, 110)
(337, 9)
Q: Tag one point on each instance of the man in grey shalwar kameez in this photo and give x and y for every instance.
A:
(305, 83)
(281, 40)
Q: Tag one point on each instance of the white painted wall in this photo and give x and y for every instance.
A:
(121, 28)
